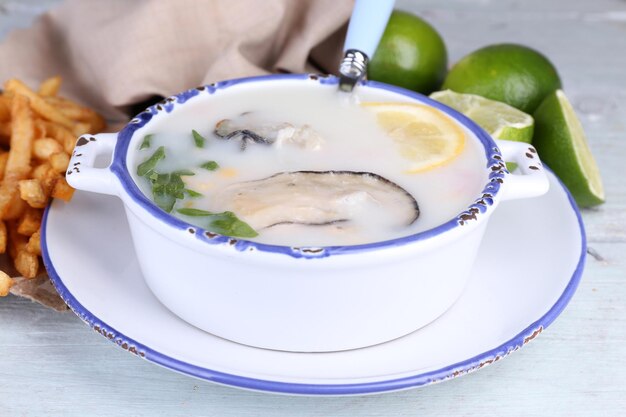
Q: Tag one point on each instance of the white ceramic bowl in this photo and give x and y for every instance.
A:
(301, 299)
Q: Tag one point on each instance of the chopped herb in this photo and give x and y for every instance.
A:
(226, 223)
(159, 179)
(146, 142)
(166, 188)
(169, 187)
(163, 200)
(175, 186)
(147, 166)
(194, 212)
(193, 193)
(198, 139)
(210, 165)
(184, 172)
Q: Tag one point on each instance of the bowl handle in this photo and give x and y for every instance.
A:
(533, 181)
(81, 173)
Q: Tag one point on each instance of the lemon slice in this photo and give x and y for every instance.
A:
(424, 135)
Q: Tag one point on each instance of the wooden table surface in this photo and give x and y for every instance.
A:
(51, 364)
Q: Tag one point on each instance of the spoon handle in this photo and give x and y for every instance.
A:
(367, 24)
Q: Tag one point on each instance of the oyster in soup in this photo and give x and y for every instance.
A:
(247, 128)
(320, 198)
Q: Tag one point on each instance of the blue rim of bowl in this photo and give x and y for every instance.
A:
(417, 380)
(495, 168)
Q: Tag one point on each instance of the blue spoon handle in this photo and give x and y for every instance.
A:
(367, 24)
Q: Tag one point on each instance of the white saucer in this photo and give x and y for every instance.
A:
(537, 244)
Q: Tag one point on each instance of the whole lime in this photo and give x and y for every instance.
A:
(513, 74)
(411, 54)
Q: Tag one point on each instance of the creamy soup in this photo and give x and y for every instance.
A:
(298, 164)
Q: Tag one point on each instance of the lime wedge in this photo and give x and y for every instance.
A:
(561, 143)
(498, 119)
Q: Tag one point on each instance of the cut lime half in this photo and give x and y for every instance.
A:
(498, 119)
(561, 143)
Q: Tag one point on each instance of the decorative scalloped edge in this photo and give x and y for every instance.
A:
(497, 175)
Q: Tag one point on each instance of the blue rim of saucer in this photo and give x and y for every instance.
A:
(494, 167)
(413, 381)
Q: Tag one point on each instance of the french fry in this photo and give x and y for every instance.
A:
(82, 128)
(62, 190)
(49, 180)
(41, 171)
(43, 148)
(5, 133)
(39, 129)
(69, 144)
(8, 191)
(16, 241)
(6, 282)
(39, 105)
(47, 176)
(50, 87)
(5, 109)
(30, 222)
(4, 156)
(18, 161)
(3, 237)
(61, 134)
(58, 161)
(34, 244)
(78, 113)
(26, 263)
(16, 208)
(32, 191)
(22, 134)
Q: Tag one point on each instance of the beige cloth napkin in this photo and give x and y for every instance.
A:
(116, 55)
